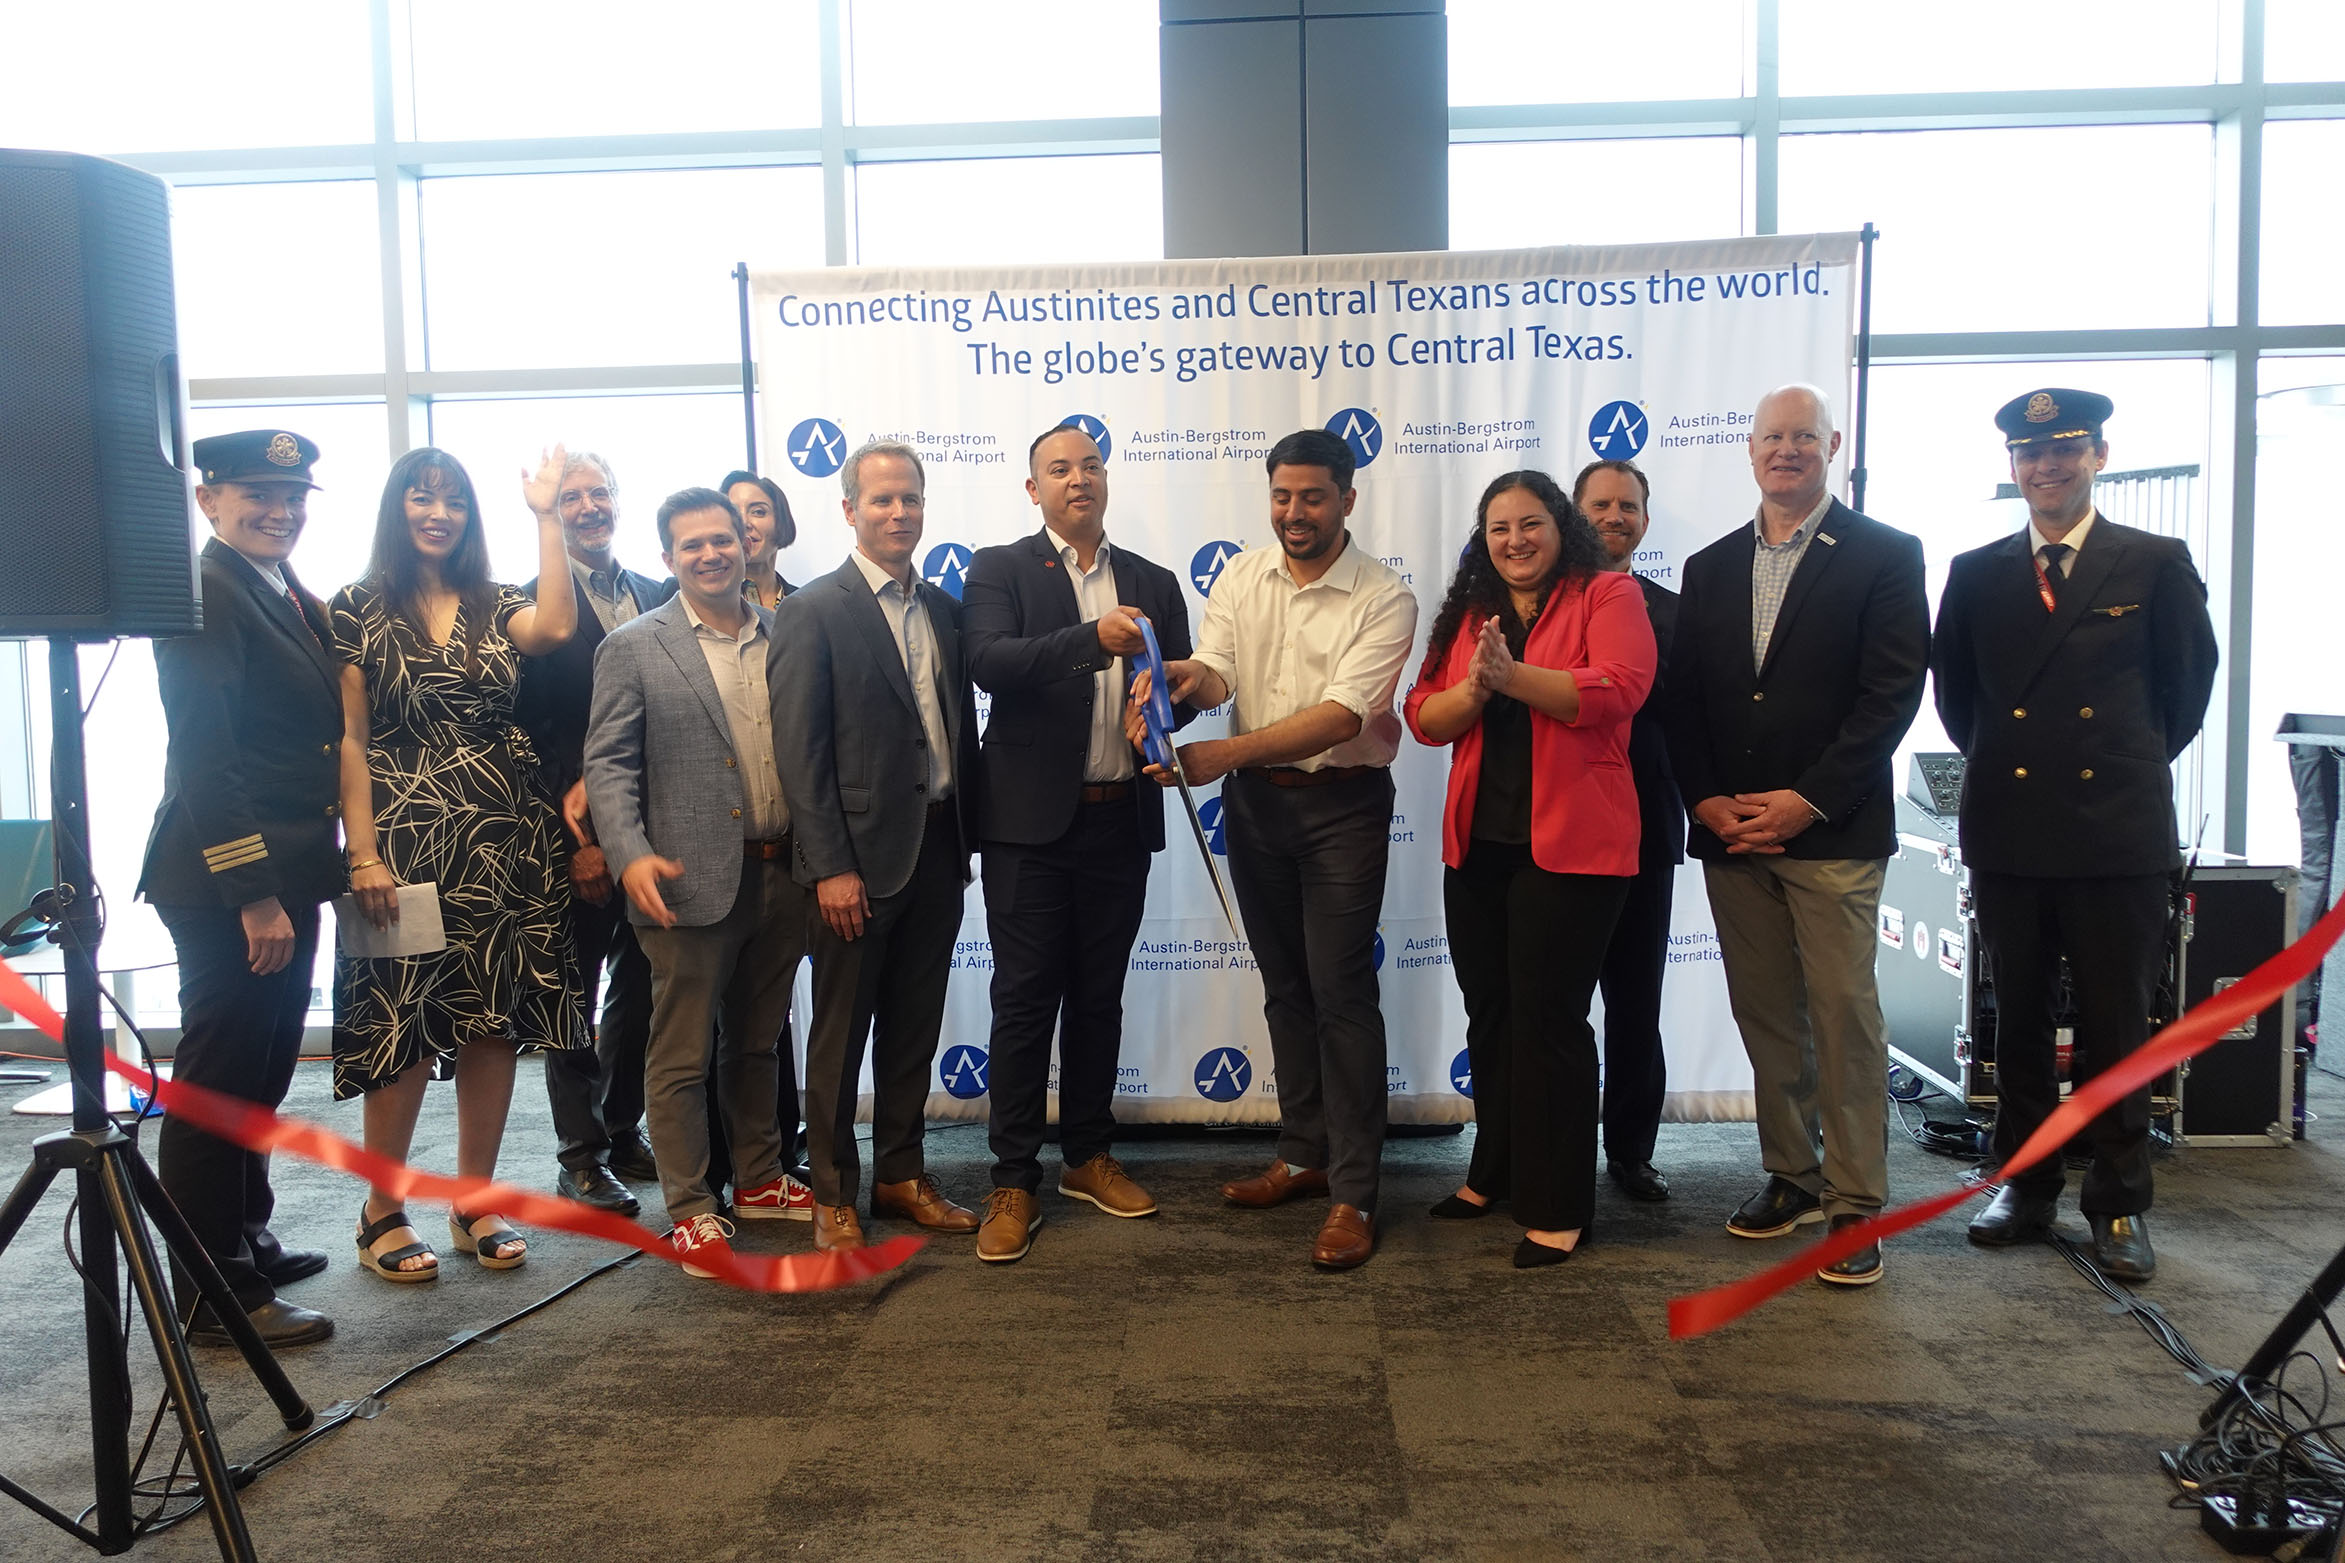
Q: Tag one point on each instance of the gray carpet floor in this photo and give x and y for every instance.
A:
(1188, 1387)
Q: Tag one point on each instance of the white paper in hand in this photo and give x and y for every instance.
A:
(417, 932)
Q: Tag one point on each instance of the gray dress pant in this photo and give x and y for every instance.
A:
(1798, 937)
(1307, 865)
(739, 969)
(887, 987)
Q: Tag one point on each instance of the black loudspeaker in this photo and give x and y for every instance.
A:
(95, 523)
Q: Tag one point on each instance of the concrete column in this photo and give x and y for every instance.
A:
(1304, 127)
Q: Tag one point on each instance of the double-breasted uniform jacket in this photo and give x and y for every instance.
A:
(2070, 719)
(252, 780)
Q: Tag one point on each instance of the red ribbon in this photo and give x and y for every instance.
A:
(2193, 1034)
(257, 1129)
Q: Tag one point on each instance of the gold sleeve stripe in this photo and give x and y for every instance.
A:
(221, 865)
(234, 848)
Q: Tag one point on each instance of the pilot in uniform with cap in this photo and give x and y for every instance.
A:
(2073, 662)
(246, 846)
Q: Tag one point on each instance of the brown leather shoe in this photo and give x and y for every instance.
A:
(1011, 1216)
(1346, 1241)
(1276, 1186)
(1103, 1182)
(835, 1229)
(921, 1202)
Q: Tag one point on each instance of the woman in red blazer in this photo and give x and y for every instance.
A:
(1537, 661)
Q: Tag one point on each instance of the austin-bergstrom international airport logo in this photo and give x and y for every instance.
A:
(817, 447)
(1205, 565)
(1216, 837)
(1377, 962)
(1357, 427)
(946, 567)
(1461, 1074)
(1224, 1074)
(1618, 431)
(1096, 428)
(962, 1069)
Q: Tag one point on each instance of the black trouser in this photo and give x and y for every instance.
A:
(1307, 866)
(1062, 918)
(1636, 1076)
(240, 1035)
(597, 1093)
(2113, 932)
(889, 987)
(1527, 946)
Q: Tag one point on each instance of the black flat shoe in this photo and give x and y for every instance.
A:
(631, 1158)
(1775, 1210)
(1453, 1208)
(1861, 1268)
(279, 1322)
(1639, 1180)
(293, 1264)
(594, 1185)
(1529, 1255)
(2013, 1216)
(2121, 1247)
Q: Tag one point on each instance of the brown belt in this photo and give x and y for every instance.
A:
(1106, 792)
(1288, 776)
(767, 851)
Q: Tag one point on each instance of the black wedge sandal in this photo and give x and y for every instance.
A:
(387, 1265)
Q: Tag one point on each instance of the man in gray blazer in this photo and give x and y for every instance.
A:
(875, 734)
(695, 823)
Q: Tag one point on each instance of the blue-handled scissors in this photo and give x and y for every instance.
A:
(1156, 713)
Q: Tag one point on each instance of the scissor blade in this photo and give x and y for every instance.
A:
(1204, 847)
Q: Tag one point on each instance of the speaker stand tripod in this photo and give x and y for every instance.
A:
(119, 1195)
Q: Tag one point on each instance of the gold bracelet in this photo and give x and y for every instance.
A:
(372, 862)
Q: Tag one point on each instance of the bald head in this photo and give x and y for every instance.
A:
(1792, 446)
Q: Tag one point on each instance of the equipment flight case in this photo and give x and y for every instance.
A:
(1939, 999)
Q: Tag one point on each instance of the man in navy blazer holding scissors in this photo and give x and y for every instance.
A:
(1051, 624)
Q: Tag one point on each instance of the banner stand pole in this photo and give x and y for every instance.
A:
(1864, 367)
(749, 366)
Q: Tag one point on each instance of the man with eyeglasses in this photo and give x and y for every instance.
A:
(596, 1095)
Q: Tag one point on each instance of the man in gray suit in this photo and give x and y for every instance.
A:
(875, 733)
(695, 823)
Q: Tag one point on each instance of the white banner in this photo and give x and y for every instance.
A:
(1441, 370)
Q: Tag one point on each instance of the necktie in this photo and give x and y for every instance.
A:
(2050, 557)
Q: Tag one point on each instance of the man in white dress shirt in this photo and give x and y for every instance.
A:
(1309, 640)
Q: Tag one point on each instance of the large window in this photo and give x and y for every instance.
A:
(1842, 46)
(995, 210)
(927, 61)
(2018, 230)
(1504, 51)
(1511, 194)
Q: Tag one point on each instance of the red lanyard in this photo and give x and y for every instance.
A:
(2044, 585)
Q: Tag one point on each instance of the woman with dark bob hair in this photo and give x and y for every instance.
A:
(439, 787)
(768, 528)
(1537, 661)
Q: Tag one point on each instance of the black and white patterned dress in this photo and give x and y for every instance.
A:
(459, 802)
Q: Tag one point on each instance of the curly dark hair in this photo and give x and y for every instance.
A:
(397, 569)
(1477, 586)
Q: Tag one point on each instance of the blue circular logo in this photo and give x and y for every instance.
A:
(1209, 816)
(816, 447)
(946, 567)
(1205, 566)
(1224, 1074)
(1618, 431)
(1357, 427)
(962, 1069)
(1461, 1075)
(1094, 427)
(1379, 964)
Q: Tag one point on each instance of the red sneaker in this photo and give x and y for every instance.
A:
(701, 1235)
(784, 1199)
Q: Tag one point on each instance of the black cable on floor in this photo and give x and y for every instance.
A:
(171, 1487)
